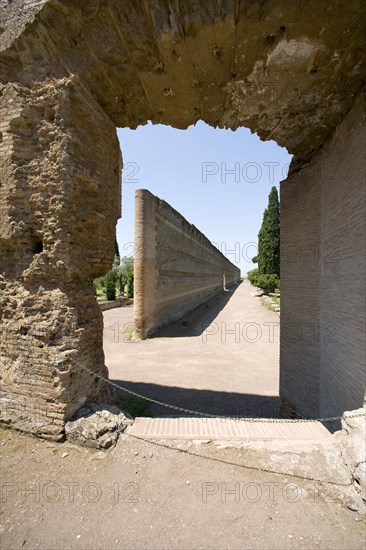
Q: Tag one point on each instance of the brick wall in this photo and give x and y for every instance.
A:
(300, 280)
(15, 15)
(323, 274)
(60, 198)
(176, 266)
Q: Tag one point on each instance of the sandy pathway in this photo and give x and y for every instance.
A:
(222, 358)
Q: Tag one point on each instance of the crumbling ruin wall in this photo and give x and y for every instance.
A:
(60, 199)
(323, 274)
(176, 266)
(73, 70)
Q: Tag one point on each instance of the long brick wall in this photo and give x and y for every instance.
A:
(176, 266)
(323, 274)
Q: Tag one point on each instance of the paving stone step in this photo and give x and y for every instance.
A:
(224, 429)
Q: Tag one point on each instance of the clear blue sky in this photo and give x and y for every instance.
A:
(190, 169)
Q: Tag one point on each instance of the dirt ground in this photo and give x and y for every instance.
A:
(177, 494)
(146, 495)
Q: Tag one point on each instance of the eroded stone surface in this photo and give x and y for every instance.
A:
(59, 181)
(352, 440)
(97, 426)
(288, 70)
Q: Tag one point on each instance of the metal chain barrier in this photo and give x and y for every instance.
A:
(205, 415)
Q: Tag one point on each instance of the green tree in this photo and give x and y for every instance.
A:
(116, 251)
(269, 237)
(111, 286)
(119, 277)
(125, 274)
(130, 285)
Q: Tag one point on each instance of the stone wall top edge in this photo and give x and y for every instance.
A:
(163, 205)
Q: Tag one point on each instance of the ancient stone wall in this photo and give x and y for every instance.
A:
(176, 266)
(60, 199)
(73, 70)
(287, 69)
(15, 15)
(323, 273)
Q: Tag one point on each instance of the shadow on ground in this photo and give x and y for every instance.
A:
(205, 401)
(198, 320)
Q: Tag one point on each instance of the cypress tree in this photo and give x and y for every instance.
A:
(269, 237)
(116, 249)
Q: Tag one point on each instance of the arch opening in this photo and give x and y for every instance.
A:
(225, 196)
(303, 87)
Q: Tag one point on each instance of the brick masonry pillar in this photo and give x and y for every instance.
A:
(145, 269)
(300, 288)
(323, 273)
(60, 200)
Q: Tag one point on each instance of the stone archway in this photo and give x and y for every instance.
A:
(73, 71)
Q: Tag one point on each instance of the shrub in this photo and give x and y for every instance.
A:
(111, 289)
(267, 283)
(252, 276)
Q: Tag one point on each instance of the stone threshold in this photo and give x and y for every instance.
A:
(227, 429)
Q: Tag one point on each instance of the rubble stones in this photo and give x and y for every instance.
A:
(97, 426)
(352, 441)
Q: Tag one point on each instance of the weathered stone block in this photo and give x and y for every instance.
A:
(97, 426)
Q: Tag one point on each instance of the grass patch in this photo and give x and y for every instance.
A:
(101, 296)
(267, 304)
(134, 406)
(276, 298)
(128, 333)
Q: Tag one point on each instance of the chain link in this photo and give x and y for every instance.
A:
(205, 414)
